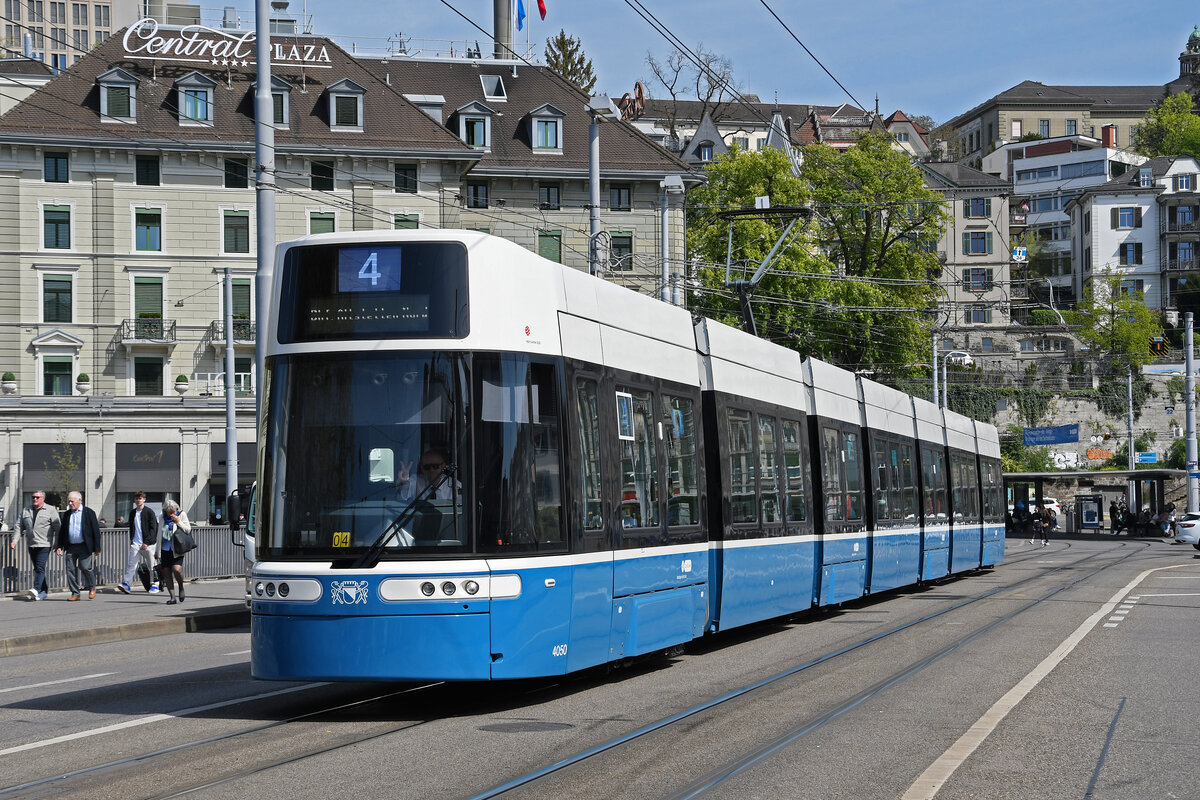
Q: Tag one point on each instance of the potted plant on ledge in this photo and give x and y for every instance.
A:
(83, 383)
(8, 383)
(181, 384)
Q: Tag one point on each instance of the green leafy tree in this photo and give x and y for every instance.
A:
(1015, 456)
(1176, 455)
(851, 285)
(564, 54)
(1170, 128)
(1115, 323)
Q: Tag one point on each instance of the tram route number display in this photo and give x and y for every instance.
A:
(368, 297)
(368, 269)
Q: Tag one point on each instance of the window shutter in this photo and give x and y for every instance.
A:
(1137, 217)
(1137, 253)
(989, 242)
(966, 247)
(1115, 212)
(1175, 183)
(147, 296)
(987, 207)
(966, 208)
(241, 298)
(277, 107)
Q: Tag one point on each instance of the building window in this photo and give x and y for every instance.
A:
(148, 377)
(12, 9)
(548, 196)
(620, 254)
(56, 298)
(147, 298)
(1184, 183)
(1133, 288)
(79, 14)
(1126, 217)
(145, 171)
(237, 173)
(1072, 127)
(493, 88)
(406, 222)
(705, 152)
(321, 176)
(279, 108)
(619, 197)
(977, 243)
(148, 229)
(475, 131)
(1082, 169)
(321, 222)
(406, 178)
(1185, 252)
(196, 105)
(477, 195)
(978, 315)
(977, 208)
(56, 223)
(977, 279)
(547, 135)
(1131, 253)
(56, 376)
(1044, 128)
(346, 111)
(1185, 215)
(56, 167)
(242, 305)
(901, 136)
(550, 245)
(985, 344)
(236, 225)
(118, 102)
(1016, 129)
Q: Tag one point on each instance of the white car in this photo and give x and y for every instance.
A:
(959, 357)
(1187, 529)
(1051, 504)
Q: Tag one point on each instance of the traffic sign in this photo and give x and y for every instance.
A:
(1147, 458)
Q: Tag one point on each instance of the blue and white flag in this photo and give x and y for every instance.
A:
(520, 15)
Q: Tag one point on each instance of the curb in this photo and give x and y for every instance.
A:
(193, 623)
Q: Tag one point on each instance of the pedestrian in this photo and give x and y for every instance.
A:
(1166, 520)
(39, 525)
(79, 539)
(1041, 525)
(143, 536)
(1114, 517)
(172, 565)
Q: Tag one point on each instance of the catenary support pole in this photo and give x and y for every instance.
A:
(934, 368)
(1131, 489)
(264, 185)
(231, 465)
(1189, 350)
(594, 193)
(666, 262)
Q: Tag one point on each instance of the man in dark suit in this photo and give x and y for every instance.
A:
(79, 540)
(143, 535)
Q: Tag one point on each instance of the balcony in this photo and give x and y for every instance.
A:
(244, 331)
(1017, 219)
(1180, 264)
(212, 384)
(1192, 226)
(148, 331)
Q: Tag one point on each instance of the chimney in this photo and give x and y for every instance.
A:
(502, 14)
(29, 45)
(1107, 134)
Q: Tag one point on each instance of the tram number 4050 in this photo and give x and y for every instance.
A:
(559, 650)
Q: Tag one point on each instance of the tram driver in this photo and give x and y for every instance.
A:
(429, 470)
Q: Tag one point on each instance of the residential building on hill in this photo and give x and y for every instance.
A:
(127, 189)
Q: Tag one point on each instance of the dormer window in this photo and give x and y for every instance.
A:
(346, 106)
(546, 129)
(431, 104)
(195, 99)
(280, 95)
(475, 125)
(118, 96)
(493, 88)
(705, 151)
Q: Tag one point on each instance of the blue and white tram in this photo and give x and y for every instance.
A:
(478, 464)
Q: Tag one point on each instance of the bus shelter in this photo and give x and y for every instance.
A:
(1085, 497)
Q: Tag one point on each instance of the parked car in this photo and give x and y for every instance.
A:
(1051, 504)
(1187, 529)
(959, 358)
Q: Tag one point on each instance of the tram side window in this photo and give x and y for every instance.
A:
(895, 503)
(992, 508)
(831, 476)
(933, 473)
(679, 430)
(741, 465)
(767, 470)
(854, 498)
(797, 490)
(883, 479)
(639, 466)
(966, 489)
(908, 482)
(587, 413)
(517, 439)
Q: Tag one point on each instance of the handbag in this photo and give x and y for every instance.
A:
(143, 575)
(182, 543)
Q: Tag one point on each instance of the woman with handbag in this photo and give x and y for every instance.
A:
(175, 541)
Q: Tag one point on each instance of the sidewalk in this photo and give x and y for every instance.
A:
(56, 624)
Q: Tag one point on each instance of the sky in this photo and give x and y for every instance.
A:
(938, 58)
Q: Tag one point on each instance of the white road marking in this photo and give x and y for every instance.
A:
(1110, 624)
(238, 653)
(133, 723)
(929, 782)
(1177, 594)
(55, 683)
(1116, 619)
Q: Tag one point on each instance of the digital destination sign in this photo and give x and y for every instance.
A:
(369, 269)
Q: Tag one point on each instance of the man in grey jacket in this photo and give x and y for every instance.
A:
(39, 526)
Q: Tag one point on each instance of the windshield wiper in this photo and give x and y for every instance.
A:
(370, 558)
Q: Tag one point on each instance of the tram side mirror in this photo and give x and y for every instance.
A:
(233, 507)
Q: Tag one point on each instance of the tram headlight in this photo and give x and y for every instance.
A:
(471, 587)
(258, 589)
(270, 590)
(284, 589)
(427, 589)
(448, 587)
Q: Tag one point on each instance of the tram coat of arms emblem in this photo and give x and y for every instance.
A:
(349, 592)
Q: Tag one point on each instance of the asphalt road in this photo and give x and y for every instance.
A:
(1069, 671)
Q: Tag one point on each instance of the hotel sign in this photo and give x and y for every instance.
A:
(200, 44)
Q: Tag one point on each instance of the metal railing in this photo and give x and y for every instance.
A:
(215, 556)
(243, 331)
(1179, 264)
(148, 330)
(213, 384)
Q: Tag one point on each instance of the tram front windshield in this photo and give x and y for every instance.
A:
(363, 444)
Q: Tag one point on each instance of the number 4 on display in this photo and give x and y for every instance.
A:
(370, 269)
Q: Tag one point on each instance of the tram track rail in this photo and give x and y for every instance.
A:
(57, 785)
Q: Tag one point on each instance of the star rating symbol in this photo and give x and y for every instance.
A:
(214, 61)
(245, 62)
